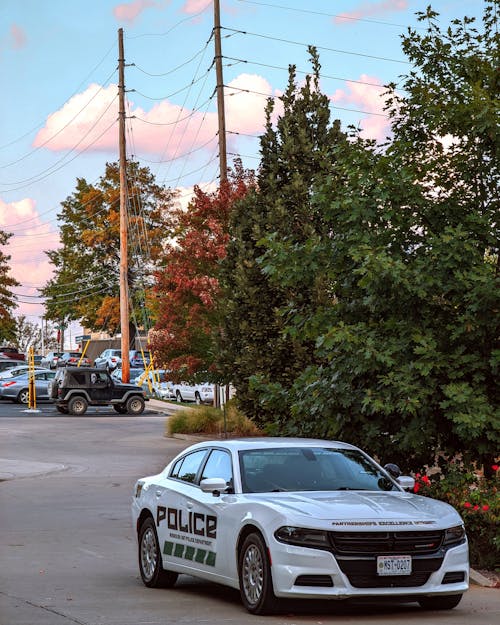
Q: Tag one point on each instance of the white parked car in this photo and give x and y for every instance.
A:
(199, 393)
(286, 518)
(109, 359)
(156, 383)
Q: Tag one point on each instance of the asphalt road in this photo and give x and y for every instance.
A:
(68, 552)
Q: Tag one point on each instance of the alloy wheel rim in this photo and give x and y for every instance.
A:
(253, 574)
(148, 554)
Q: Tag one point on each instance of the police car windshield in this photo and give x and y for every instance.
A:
(310, 469)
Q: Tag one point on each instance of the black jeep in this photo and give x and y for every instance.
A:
(75, 388)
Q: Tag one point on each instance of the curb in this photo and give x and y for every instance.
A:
(480, 580)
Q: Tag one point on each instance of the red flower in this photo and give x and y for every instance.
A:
(495, 467)
(416, 488)
(476, 507)
(486, 507)
(426, 480)
(417, 475)
(467, 505)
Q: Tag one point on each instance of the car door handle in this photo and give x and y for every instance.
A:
(159, 493)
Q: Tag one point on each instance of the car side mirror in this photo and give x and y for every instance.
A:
(214, 485)
(393, 470)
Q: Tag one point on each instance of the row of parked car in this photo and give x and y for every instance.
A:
(14, 383)
(110, 359)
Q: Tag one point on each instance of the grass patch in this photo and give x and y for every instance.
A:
(210, 421)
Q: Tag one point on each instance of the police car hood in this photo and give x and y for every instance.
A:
(352, 508)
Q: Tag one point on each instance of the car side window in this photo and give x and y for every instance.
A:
(186, 469)
(218, 465)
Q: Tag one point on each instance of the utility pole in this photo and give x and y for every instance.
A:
(222, 123)
(124, 299)
(220, 94)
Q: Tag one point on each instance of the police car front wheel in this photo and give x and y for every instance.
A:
(256, 584)
(152, 573)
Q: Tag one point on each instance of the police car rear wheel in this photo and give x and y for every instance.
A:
(256, 586)
(152, 573)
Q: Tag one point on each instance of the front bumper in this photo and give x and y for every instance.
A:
(313, 573)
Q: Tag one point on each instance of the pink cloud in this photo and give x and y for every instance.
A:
(129, 12)
(17, 37)
(368, 9)
(365, 98)
(89, 121)
(195, 6)
(29, 265)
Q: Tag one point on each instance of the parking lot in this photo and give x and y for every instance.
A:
(68, 549)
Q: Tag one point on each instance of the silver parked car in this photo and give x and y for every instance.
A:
(51, 359)
(15, 371)
(17, 389)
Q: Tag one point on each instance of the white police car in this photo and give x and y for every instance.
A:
(297, 518)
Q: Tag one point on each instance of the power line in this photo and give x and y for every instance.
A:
(201, 51)
(39, 147)
(274, 97)
(305, 45)
(170, 95)
(84, 81)
(299, 71)
(340, 16)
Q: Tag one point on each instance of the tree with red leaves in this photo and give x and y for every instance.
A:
(187, 287)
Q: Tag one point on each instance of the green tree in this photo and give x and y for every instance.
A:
(296, 155)
(407, 348)
(85, 285)
(7, 297)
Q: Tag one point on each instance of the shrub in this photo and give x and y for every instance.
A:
(477, 499)
(210, 421)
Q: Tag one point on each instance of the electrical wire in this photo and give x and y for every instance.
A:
(266, 95)
(358, 82)
(305, 45)
(84, 81)
(344, 17)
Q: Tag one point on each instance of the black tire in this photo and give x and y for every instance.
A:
(178, 396)
(446, 602)
(23, 396)
(135, 405)
(77, 405)
(120, 408)
(256, 584)
(153, 574)
(62, 409)
(197, 398)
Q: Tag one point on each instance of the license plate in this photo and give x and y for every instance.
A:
(393, 565)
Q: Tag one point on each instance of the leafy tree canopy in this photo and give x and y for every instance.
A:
(7, 297)
(298, 152)
(187, 285)
(407, 344)
(85, 285)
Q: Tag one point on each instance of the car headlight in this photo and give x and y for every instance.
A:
(302, 537)
(454, 535)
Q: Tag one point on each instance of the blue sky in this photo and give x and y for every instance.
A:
(58, 71)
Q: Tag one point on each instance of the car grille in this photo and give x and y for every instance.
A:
(356, 554)
(386, 543)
